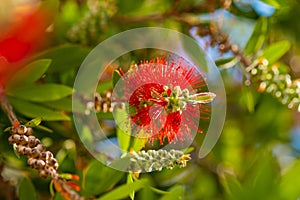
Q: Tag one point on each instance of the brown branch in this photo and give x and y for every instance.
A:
(6, 106)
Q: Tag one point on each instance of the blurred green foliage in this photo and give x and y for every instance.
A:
(255, 157)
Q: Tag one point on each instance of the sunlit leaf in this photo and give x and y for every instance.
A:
(289, 187)
(40, 93)
(34, 122)
(34, 110)
(276, 51)
(258, 36)
(98, 178)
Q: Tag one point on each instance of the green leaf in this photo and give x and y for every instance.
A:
(275, 51)
(98, 178)
(40, 93)
(176, 192)
(64, 104)
(289, 187)
(34, 122)
(116, 77)
(124, 191)
(7, 129)
(130, 181)
(29, 74)
(248, 98)
(226, 63)
(258, 36)
(276, 3)
(32, 110)
(26, 190)
(123, 132)
(66, 57)
(15, 150)
(195, 53)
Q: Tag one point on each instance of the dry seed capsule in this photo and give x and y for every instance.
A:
(13, 130)
(21, 129)
(49, 155)
(27, 151)
(29, 131)
(31, 141)
(31, 161)
(35, 153)
(52, 162)
(43, 174)
(20, 149)
(41, 147)
(43, 156)
(40, 164)
(16, 138)
(23, 140)
(11, 140)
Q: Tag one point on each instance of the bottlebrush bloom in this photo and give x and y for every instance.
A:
(165, 99)
(20, 38)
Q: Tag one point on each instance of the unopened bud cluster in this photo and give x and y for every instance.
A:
(30, 146)
(275, 82)
(156, 160)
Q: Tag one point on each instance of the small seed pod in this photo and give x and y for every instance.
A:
(11, 140)
(31, 161)
(20, 149)
(40, 164)
(43, 174)
(52, 162)
(16, 138)
(31, 141)
(27, 151)
(41, 147)
(43, 156)
(49, 155)
(21, 129)
(29, 131)
(23, 140)
(13, 130)
(35, 153)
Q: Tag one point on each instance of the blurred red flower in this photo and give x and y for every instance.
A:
(156, 103)
(21, 37)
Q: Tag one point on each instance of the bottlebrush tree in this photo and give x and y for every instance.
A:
(149, 101)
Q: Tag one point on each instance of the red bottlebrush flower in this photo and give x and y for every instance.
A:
(164, 99)
(20, 38)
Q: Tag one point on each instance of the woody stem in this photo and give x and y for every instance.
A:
(6, 106)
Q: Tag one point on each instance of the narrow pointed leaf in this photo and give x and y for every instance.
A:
(32, 110)
(29, 74)
(40, 93)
